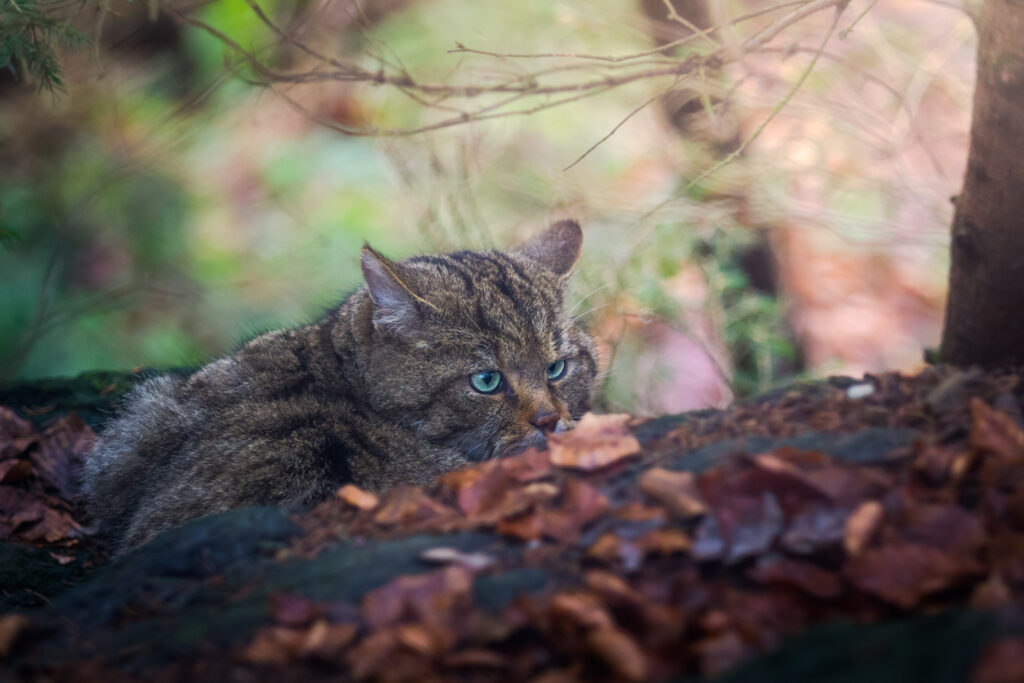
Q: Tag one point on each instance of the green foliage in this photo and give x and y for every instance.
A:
(31, 31)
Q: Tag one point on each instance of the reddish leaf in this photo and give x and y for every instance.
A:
(581, 504)
(18, 507)
(292, 609)
(677, 491)
(529, 465)
(664, 542)
(597, 441)
(776, 570)
(947, 527)
(423, 597)
(816, 528)
(54, 526)
(904, 573)
(12, 471)
(620, 652)
(282, 645)
(526, 527)
(995, 431)
(16, 434)
(581, 609)
(11, 626)
(408, 504)
(59, 456)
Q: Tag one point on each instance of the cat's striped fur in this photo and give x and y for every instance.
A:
(376, 393)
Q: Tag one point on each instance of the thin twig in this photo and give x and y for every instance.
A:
(778, 107)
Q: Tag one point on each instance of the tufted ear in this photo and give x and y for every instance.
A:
(557, 248)
(394, 302)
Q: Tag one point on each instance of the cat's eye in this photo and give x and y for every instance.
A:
(556, 370)
(486, 382)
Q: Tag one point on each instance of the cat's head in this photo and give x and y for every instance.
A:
(475, 350)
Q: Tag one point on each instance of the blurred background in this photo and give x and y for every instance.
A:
(163, 204)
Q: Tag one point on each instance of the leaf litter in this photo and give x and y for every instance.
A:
(657, 565)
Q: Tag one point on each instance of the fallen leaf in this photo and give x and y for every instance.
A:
(529, 465)
(284, 645)
(16, 434)
(428, 597)
(776, 570)
(903, 573)
(620, 652)
(58, 459)
(861, 526)
(596, 442)
(528, 527)
(11, 626)
(947, 527)
(817, 528)
(664, 542)
(430, 642)
(408, 504)
(357, 498)
(12, 471)
(995, 431)
(580, 609)
(677, 491)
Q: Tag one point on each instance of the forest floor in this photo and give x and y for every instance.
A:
(843, 530)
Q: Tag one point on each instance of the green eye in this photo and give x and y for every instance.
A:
(486, 382)
(556, 370)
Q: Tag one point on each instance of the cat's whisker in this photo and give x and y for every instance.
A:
(575, 318)
(587, 296)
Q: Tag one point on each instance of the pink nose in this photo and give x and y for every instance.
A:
(545, 422)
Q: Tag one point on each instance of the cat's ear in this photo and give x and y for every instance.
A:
(557, 249)
(394, 302)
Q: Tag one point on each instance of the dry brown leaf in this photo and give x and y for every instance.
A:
(12, 471)
(903, 573)
(620, 652)
(664, 542)
(776, 570)
(581, 609)
(407, 504)
(58, 459)
(995, 431)
(677, 491)
(11, 626)
(425, 597)
(16, 434)
(357, 497)
(861, 526)
(596, 442)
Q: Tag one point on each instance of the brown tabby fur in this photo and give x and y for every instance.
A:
(375, 393)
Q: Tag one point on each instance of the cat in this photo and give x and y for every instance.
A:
(434, 363)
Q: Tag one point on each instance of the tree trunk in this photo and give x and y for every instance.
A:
(985, 311)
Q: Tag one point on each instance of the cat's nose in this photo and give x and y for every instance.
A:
(545, 421)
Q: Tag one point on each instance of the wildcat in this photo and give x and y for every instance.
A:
(435, 362)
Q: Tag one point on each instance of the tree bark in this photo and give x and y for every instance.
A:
(985, 309)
